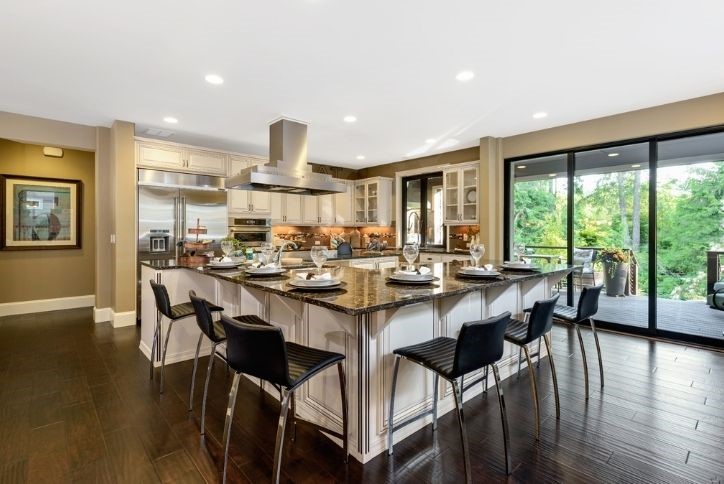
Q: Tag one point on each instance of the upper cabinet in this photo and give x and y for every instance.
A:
(286, 208)
(247, 202)
(344, 205)
(461, 195)
(181, 158)
(318, 209)
(373, 201)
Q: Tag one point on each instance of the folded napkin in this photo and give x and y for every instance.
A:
(422, 271)
(226, 259)
(315, 277)
(261, 265)
(521, 262)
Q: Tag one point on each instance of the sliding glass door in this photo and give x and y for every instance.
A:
(422, 198)
(690, 223)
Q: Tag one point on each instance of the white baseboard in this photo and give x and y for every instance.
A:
(127, 318)
(101, 315)
(176, 357)
(43, 305)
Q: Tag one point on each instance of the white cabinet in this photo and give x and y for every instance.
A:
(247, 202)
(286, 208)
(318, 209)
(326, 209)
(461, 195)
(181, 158)
(375, 263)
(343, 205)
(428, 258)
(373, 201)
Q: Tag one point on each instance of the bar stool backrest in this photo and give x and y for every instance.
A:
(257, 350)
(204, 319)
(163, 302)
(480, 343)
(588, 302)
(541, 317)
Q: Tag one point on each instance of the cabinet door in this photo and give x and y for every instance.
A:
(310, 212)
(206, 162)
(236, 164)
(277, 208)
(326, 209)
(343, 203)
(360, 203)
(373, 205)
(260, 202)
(387, 263)
(469, 195)
(160, 156)
(292, 209)
(452, 191)
(364, 264)
(239, 201)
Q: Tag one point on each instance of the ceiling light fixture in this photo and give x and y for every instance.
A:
(521, 167)
(612, 154)
(540, 115)
(636, 166)
(170, 120)
(465, 76)
(551, 174)
(350, 119)
(214, 79)
(360, 157)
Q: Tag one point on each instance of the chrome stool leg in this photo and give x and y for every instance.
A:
(503, 418)
(537, 364)
(533, 391)
(229, 418)
(583, 354)
(549, 346)
(278, 448)
(485, 383)
(435, 381)
(212, 357)
(392, 406)
(294, 418)
(193, 373)
(345, 422)
(598, 348)
(461, 422)
(163, 356)
(520, 356)
(154, 345)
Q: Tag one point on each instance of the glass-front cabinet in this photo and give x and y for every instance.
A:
(372, 201)
(461, 195)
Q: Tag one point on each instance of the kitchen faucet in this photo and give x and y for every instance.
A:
(277, 259)
(413, 225)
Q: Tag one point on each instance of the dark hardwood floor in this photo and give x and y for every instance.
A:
(76, 405)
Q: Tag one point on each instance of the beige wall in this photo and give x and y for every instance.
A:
(450, 157)
(104, 226)
(680, 116)
(48, 274)
(48, 132)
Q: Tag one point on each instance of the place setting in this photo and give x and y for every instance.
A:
(317, 281)
(265, 265)
(485, 272)
(411, 275)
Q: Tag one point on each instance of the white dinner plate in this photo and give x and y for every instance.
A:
(478, 272)
(405, 277)
(314, 282)
(265, 271)
(224, 265)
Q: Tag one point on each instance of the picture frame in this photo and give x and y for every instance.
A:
(40, 213)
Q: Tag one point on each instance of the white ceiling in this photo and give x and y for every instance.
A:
(390, 63)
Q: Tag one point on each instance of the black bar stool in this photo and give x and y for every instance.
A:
(262, 352)
(520, 333)
(586, 309)
(173, 313)
(215, 332)
(479, 345)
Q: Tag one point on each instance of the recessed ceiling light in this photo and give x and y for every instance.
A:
(636, 166)
(170, 120)
(465, 76)
(551, 174)
(521, 167)
(214, 79)
(540, 115)
(612, 154)
(430, 141)
(360, 157)
(350, 119)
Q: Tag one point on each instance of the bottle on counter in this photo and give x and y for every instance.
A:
(355, 239)
(249, 253)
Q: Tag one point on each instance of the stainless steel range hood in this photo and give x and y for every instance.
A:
(287, 170)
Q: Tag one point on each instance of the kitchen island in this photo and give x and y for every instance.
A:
(365, 320)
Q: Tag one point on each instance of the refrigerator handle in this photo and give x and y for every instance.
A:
(175, 227)
(182, 217)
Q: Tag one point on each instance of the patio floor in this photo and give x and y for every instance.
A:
(689, 317)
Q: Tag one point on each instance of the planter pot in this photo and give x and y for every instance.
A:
(615, 274)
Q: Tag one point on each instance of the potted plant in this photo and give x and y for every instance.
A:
(615, 270)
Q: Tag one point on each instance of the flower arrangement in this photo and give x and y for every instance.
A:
(614, 254)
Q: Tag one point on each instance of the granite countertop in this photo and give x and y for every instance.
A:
(365, 291)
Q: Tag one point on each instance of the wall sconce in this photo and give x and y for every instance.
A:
(53, 152)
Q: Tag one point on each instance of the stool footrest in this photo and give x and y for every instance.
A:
(411, 419)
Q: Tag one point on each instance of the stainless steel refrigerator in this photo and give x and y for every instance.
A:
(169, 204)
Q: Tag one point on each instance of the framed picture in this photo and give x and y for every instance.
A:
(40, 213)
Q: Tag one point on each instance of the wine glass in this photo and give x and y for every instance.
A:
(410, 252)
(319, 257)
(519, 251)
(227, 247)
(476, 252)
(267, 252)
